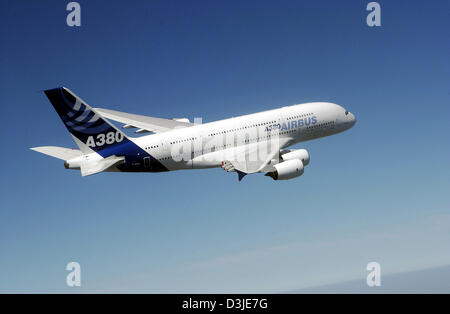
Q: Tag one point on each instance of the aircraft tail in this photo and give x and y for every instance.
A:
(91, 132)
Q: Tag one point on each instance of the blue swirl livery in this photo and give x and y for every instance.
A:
(93, 133)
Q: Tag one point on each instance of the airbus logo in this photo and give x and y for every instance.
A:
(292, 124)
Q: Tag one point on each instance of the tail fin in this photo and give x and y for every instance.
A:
(89, 129)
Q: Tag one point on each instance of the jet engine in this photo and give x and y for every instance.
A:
(301, 154)
(287, 170)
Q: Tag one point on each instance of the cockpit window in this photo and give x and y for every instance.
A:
(346, 112)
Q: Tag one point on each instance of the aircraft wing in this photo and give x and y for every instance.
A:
(253, 158)
(144, 123)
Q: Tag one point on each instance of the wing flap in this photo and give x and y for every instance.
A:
(254, 157)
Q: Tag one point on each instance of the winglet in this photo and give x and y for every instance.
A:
(240, 175)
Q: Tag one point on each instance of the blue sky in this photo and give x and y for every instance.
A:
(379, 192)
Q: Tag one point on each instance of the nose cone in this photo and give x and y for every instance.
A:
(348, 120)
(352, 119)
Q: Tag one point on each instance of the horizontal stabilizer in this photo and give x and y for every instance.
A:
(90, 168)
(58, 152)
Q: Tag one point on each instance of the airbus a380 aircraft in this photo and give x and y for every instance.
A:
(247, 144)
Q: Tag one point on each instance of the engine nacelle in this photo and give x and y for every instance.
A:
(301, 154)
(286, 170)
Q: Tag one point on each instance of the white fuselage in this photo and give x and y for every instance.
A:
(181, 148)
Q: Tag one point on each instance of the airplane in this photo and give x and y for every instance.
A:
(253, 143)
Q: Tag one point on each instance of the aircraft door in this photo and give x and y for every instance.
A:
(147, 163)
